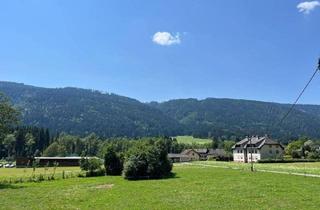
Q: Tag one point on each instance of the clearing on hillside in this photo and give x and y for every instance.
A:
(192, 140)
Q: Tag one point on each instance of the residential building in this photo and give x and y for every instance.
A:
(258, 148)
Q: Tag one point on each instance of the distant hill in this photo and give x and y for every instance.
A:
(80, 111)
(231, 117)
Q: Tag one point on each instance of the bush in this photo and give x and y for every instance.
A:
(226, 157)
(91, 166)
(113, 162)
(144, 162)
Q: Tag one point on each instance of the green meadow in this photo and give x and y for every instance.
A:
(192, 140)
(302, 168)
(192, 187)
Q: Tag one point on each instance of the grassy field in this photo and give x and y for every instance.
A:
(308, 168)
(14, 173)
(192, 140)
(194, 187)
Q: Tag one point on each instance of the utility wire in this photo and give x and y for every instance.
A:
(301, 93)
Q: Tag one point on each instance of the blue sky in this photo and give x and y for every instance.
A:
(261, 50)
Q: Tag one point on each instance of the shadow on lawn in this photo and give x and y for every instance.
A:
(170, 176)
(9, 186)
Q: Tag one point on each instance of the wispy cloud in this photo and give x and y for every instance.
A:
(307, 6)
(166, 38)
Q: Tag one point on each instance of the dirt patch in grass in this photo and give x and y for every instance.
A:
(104, 186)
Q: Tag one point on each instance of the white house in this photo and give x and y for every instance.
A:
(258, 148)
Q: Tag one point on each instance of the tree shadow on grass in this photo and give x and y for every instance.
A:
(170, 176)
(9, 186)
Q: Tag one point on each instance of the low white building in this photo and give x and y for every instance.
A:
(258, 148)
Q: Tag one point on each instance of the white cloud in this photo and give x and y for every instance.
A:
(307, 6)
(166, 38)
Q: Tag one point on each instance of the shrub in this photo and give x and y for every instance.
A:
(226, 157)
(92, 166)
(147, 161)
(113, 162)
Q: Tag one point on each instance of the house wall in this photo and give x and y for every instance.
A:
(185, 159)
(193, 155)
(271, 152)
(238, 155)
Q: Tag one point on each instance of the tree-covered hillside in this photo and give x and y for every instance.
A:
(80, 111)
(227, 117)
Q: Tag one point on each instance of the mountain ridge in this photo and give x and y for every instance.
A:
(81, 111)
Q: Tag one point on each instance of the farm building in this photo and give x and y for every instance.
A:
(176, 158)
(204, 154)
(194, 155)
(257, 147)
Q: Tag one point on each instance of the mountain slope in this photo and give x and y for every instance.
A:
(228, 117)
(80, 111)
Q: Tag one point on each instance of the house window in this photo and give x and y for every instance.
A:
(270, 151)
(277, 146)
(270, 146)
(277, 151)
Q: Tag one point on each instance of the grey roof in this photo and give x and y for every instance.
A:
(256, 141)
(184, 152)
(202, 151)
(217, 152)
(174, 155)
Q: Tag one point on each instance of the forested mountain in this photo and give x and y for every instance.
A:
(231, 117)
(79, 111)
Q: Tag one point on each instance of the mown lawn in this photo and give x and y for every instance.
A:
(194, 187)
(192, 140)
(308, 168)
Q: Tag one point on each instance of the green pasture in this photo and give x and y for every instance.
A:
(308, 168)
(192, 140)
(15, 173)
(193, 187)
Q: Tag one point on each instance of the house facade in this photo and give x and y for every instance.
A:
(194, 155)
(177, 158)
(257, 148)
(203, 154)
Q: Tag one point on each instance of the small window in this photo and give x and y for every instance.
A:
(277, 151)
(277, 146)
(270, 146)
(270, 151)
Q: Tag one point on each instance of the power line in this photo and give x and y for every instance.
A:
(301, 93)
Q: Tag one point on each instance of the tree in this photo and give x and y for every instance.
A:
(91, 145)
(8, 116)
(112, 162)
(92, 166)
(30, 142)
(55, 149)
(294, 146)
(227, 145)
(147, 161)
(9, 142)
